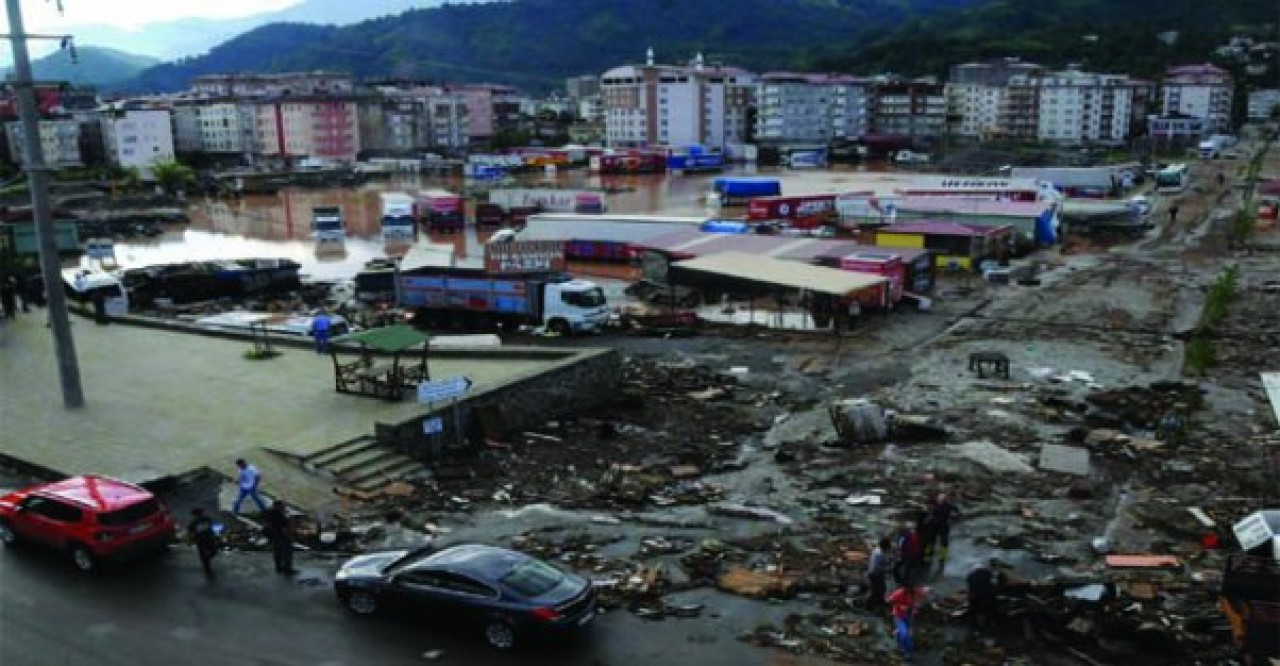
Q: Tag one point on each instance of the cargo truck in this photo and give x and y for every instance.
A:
(398, 220)
(473, 299)
(736, 191)
(327, 224)
(441, 211)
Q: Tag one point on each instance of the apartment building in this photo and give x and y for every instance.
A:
(319, 128)
(491, 109)
(1079, 107)
(273, 85)
(650, 104)
(137, 138)
(909, 108)
(979, 96)
(220, 126)
(1199, 91)
(798, 109)
(60, 141)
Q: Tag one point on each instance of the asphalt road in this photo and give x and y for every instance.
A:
(162, 611)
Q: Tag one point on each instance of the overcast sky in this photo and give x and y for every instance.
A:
(43, 16)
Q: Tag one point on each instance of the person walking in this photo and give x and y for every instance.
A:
(24, 292)
(942, 512)
(984, 585)
(247, 480)
(1173, 214)
(275, 525)
(909, 555)
(877, 567)
(200, 532)
(904, 602)
(9, 296)
(320, 331)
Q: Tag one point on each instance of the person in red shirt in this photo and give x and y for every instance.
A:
(904, 602)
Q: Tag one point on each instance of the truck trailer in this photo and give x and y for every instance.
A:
(473, 299)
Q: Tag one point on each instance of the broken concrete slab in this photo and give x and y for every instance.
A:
(1064, 459)
(990, 456)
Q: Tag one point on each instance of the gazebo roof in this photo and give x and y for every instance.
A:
(391, 339)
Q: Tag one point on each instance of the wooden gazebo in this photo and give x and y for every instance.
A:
(371, 373)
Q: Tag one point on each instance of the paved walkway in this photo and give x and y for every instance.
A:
(161, 403)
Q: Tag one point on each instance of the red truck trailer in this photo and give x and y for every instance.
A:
(802, 211)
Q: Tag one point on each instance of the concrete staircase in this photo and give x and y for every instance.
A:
(363, 464)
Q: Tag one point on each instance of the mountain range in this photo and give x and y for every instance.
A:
(93, 66)
(535, 44)
(170, 40)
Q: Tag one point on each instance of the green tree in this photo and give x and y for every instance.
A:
(172, 176)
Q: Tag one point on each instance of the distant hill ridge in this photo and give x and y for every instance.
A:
(537, 43)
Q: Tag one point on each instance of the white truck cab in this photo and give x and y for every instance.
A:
(84, 285)
(580, 304)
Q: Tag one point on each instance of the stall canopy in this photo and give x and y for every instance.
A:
(389, 339)
(763, 270)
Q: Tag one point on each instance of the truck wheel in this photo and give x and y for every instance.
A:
(8, 537)
(82, 558)
(559, 327)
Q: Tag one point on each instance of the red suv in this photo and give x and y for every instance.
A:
(91, 518)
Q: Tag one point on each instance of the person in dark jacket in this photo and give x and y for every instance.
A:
(200, 532)
(9, 296)
(942, 513)
(275, 525)
(984, 586)
(910, 556)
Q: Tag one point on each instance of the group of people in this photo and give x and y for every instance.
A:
(909, 558)
(203, 533)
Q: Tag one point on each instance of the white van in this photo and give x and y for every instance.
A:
(84, 285)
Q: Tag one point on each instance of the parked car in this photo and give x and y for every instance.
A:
(506, 593)
(90, 518)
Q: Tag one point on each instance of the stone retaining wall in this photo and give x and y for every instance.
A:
(584, 379)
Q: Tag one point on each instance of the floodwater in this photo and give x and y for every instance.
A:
(279, 225)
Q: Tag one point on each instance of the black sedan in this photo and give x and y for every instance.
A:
(505, 592)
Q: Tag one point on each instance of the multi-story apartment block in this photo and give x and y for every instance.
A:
(1199, 91)
(810, 108)
(1078, 107)
(137, 138)
(320, 128)
(491, 109)
(392, 123)
(273, 85)
(909, 108)
(1263, 103)
(649, 105)
(978, 95)
(60, 142)
(224, 126)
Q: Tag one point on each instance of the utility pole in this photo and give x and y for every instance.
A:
(41, 215)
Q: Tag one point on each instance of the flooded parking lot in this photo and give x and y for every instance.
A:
(279, 225)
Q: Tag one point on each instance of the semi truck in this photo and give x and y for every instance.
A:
(398, 220)
(474, 299)
(327, 224)
(737, 191)
(442, 211)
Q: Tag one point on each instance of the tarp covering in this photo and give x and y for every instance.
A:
(754, 268)
(390, 339)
